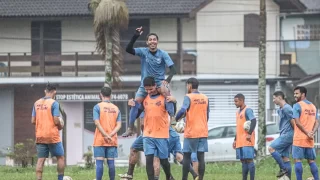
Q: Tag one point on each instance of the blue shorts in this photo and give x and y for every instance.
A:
(282, 145)
(174, 146)
(138, 143)
(55, 149)
(105, 151)
(143, 93)
(194, 157)
(156, 146)
(246, 152)
(193, 145)
(303, 153)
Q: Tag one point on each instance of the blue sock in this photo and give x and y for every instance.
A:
(60, 176)
(252, 170)
(314, 170)
(276, 156)
(245, 170)
(289, 168)
(99, 169)
(112, 169)
(133, 113)
(299, 170)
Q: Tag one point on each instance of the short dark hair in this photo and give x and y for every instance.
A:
(51, 87)
(106, 91)
(279, 93)
(302, 89)
(152, 34)
(194, 82)
(149, 81)
(240, 96)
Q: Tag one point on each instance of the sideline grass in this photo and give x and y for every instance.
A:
(214, 171)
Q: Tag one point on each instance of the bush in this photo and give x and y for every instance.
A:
(23, 154)
(88, 157)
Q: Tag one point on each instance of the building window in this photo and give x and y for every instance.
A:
(46, 39)
(251, 30)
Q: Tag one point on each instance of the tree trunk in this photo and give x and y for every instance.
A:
(64, 132)
(108, 60)
(262, 83)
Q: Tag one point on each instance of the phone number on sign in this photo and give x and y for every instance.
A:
(119, 96)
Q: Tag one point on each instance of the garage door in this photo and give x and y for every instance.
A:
(222, 108)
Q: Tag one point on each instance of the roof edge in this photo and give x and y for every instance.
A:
(194, 12)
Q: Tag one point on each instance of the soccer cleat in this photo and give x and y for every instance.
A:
(282, 172)
(171, 178)
(128, 133)
(196, 178)
(125, 176)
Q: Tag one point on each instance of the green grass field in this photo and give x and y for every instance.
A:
(215, 171)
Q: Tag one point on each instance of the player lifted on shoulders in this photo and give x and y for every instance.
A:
(196, 107)
(153, 63)
(306, 124)
(244, 141)
(280, 148)
(107, 119)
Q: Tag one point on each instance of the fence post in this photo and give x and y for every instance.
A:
(77, 59)
(9, 64)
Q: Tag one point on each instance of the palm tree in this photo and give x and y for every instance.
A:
(109, 17)
(64, 132)
(262, 82)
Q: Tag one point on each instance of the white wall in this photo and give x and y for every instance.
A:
(224, 21)
(7, 120)
(166, 28)
(74, 111)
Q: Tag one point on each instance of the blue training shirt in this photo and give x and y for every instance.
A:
(153, 65)
(96, 112)
(54, 108)
(285, 114)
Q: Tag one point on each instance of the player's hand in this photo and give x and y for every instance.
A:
(311, 134)
(107, 138)
(248, 137)
(131, 102)
(234, 145)
(164, 82)
(171, 99)
(139, 30)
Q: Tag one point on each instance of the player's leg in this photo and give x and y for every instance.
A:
(99, 155)
(245, 169)
(42, 153)
(286, 160)
(162, 146)
(133, 157)
(248, 155)
(275, 148)
(163, 89)
(176, 150)
(57, 150)
(298, 155)
(189, 146)
(134, 110)
(156, 166)
(202, 148)
(149, 148)
(111, 154)
(195, 162)
(310, 155)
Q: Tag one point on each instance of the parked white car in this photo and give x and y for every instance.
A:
(220, 139)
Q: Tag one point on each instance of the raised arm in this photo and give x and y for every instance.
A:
(136, 35)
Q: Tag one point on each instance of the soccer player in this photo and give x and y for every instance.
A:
(306, 124)
(244, 141)
(196, 108)
(107, 118)
(45, 117)
(280, 147)
(153, 63)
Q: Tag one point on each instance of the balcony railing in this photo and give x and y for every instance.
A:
(75, 64)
